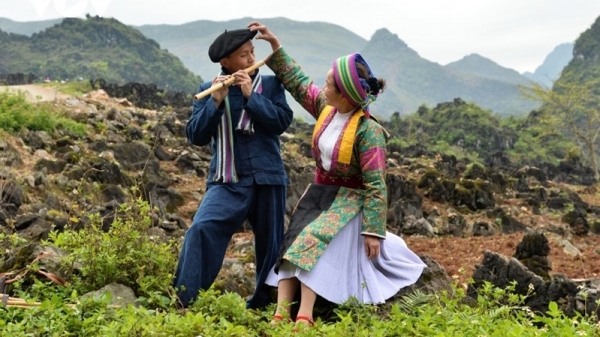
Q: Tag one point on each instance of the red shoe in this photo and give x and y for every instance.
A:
(278, 318)
(309, 322)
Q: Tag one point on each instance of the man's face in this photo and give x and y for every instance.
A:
(240, 59)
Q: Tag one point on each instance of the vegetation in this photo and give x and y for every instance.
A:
(16, 114)
(73, 88)
(572, 105)
(125, 254)
(93, 48)
(573, 108)
(134, 261)
(466, 130)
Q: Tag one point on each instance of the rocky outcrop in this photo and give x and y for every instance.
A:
(528, 269)
(143, 95)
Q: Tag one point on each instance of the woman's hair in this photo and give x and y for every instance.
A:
(377, 84)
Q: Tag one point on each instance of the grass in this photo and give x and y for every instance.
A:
(73, 88)
(126, 255)
(16, 114)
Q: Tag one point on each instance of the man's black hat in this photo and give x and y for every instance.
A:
(228, 42)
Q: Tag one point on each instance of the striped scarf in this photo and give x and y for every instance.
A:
(225, 154)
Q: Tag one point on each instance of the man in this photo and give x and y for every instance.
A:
(247, 179)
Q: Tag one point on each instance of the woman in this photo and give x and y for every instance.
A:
(337, 245)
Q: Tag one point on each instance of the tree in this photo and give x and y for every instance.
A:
(574, 107)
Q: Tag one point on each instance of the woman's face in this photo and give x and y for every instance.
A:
(332, 95)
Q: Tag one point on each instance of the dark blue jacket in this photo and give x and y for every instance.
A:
(257, 157)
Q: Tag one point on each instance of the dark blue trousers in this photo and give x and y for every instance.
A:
(222, 213)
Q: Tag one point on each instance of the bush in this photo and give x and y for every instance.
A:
(16, 114)
(124, 254)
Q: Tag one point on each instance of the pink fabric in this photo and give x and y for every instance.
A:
(373, 159)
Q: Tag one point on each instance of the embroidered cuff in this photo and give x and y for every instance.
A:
(373, 234)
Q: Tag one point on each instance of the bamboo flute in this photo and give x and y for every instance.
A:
(228, 82)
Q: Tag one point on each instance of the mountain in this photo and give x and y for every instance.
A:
(413, 80)
(585, 64)
(478, 65)
(553, 64)
(26, 28)
(94, 47)
(316, 44)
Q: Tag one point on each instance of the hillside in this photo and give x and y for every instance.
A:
(553, 65)
(585, 64)
(483, 67)
(315, 44)
(92, 48)
(413, 80)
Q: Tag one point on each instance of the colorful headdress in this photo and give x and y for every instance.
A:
(354, 88)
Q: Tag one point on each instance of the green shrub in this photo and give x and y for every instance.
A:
(124, 254)
(17, 113)
(496, 312)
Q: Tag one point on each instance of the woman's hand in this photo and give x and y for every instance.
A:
(372, 246)
(265, 34)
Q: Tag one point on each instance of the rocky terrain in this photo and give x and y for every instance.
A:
(496, 222)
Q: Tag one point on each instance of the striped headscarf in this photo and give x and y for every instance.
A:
(354, 88)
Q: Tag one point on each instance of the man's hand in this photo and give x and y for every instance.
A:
(219, 95)
(372, 246)
(243, 80)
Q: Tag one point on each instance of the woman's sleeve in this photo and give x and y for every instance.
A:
(372, 159)
(298, 84)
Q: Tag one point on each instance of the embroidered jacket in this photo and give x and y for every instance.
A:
(359, 156)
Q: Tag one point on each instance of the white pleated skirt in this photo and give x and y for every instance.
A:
(343, 270)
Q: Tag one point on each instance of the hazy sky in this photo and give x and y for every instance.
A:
(516, 34)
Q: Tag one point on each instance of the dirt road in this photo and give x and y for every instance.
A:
(36, 93)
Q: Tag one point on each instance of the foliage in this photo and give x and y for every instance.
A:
(538, 141)
(93, 48)
(574, 108)
(72, 88)
(496, 312)
(124, 254)
(586, 54)
(16, 113)
(147, 265)
(466, 130)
